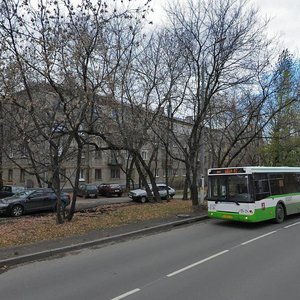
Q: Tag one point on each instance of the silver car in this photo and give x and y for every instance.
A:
(141, 194)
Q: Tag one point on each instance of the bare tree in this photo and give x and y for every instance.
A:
(139, 92)
(63, 48)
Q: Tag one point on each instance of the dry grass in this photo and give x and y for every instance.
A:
(33, 228)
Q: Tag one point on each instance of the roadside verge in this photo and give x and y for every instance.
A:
(140, 230)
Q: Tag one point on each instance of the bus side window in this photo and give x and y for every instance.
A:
(292, 183)
(277, 186)
(261, 189)
(223, 190)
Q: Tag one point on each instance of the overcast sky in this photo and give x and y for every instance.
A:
(285, 20)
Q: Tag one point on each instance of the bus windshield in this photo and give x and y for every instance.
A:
(229, 188)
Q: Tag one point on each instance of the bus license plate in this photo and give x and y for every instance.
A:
(227, 216)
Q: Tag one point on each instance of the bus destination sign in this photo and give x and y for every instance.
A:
(226, 171)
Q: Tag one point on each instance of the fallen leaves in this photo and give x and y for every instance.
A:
(31, 228)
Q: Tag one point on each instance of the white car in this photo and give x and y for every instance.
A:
(141, 194)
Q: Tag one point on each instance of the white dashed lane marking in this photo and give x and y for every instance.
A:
(205, 260)
(257, 238)
(126, 294)
(197, 263)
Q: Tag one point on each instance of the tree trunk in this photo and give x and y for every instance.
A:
(1, 143)
(194, 179)
(129, 175)
(185, 189)
(151, 177)
(76, 184)
(143, 179)
(56, 186)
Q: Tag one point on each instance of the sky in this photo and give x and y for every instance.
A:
(284, 15)
(285, 21)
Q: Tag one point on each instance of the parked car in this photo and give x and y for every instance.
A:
(88, 190)
(32, 201)
(141, 194)
(9, 190)
(110, 189)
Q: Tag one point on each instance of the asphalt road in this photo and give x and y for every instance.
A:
(212, 260)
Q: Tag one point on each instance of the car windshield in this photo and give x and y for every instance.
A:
(114, 186)
(229, 188)
(24, 193)
(159, 186)
(17, 189)
(91, 187)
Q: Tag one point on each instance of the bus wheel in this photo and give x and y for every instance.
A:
(280, 213)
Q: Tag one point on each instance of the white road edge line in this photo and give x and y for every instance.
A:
(288, 226)
(196, 263)
(259, 237)
(126, 294)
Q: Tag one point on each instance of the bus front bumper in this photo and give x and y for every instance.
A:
(233, 217)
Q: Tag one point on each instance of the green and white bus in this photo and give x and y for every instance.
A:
(253, 194)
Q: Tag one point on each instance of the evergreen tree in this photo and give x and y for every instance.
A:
(283, 147)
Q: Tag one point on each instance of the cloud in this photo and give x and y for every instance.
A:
(284, 20)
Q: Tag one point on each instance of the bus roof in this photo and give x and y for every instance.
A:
(251, 170)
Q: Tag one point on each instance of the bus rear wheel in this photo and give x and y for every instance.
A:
(279, 213)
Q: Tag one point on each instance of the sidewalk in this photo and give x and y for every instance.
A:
(51, 248)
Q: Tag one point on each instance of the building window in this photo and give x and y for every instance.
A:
(98, 174)
(98, 154)
(11, 152)
(126, 154)
(114, 113)
(156, 172)
(63, 174)
(114, 158)
(22, 175)
(115, 172)
(81, 175)
(23, 152)
(10, 175)
(60, 151)
(144, 154)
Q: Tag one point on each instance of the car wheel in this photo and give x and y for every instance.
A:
(143, 199)
(279, 213)
(62, 207)
(168, 197)
(17, 210)
(120, 194)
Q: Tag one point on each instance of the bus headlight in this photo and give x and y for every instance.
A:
(245, 211)
(212, 207)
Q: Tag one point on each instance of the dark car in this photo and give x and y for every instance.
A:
(32, 201)
(9, 190)
(110, 189)
(88, 190)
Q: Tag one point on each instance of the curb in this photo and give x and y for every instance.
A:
(52, 252)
